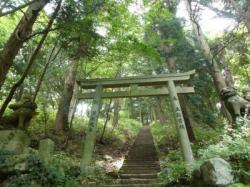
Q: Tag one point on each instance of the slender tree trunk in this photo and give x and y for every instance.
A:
(227, 74)
(62, 116)
(40, 80)
(106, 119)
(212, 64)
(141, 116)
(17, 8)
(30, 62)
(17, 38)
(73, 105)
(160, 101)
(214, 70)
(187, 117)
(71, 118)
(117, 107)
(19, 93)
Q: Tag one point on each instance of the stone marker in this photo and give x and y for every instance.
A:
(216, 172)
(46, 149)
(14, 140)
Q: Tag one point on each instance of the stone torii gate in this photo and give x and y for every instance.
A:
(146, 86)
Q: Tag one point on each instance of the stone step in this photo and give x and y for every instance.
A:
(153, 151)
(140, 164)
(138, 171)
(140, 160)
(140, 157)
(135, 185)
(140, 176)
(138, 167)
(138, 181)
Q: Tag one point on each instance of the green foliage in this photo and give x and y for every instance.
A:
(164, 133)
(38, 173)
(234, 147)
(109, 40)
(97, 175)
(239, 185)
(61, 170)
(175, 173)
(4, 156)
(127, 129)
(43, 122)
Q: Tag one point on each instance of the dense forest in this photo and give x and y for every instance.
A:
(124, 93)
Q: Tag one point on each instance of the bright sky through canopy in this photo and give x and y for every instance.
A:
(211, 24)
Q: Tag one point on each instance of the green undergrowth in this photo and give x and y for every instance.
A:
(62, 171)
(239, 185)
(68, 147)
(233, 145)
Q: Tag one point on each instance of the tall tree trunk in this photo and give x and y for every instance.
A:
(226, 72)
(117, 107)
(212, 64)
(161, 113)
(30, 62)
(108, 108)
(73, 105)
(214, 70)
(40, 80)
(187, 118)
(62, 116)
(18, 37)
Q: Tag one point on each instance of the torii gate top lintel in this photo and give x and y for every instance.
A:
(138, 80)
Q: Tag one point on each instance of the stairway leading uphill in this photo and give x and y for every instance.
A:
(141, 165)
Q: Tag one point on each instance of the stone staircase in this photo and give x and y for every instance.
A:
(141, 165)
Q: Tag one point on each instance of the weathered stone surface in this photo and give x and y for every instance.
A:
(14, 140)
(216, 172)
(14, 164)
(46, 149)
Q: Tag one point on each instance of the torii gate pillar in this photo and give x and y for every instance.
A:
(180, 124)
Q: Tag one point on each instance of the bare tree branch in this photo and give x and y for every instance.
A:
(16, 8)
(40, 32)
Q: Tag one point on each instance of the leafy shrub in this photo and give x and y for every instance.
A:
(4, 157)
(38, 173)
(163, 133)
(239, 185)
(175, 173)
(233, 147)
(95, 174)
